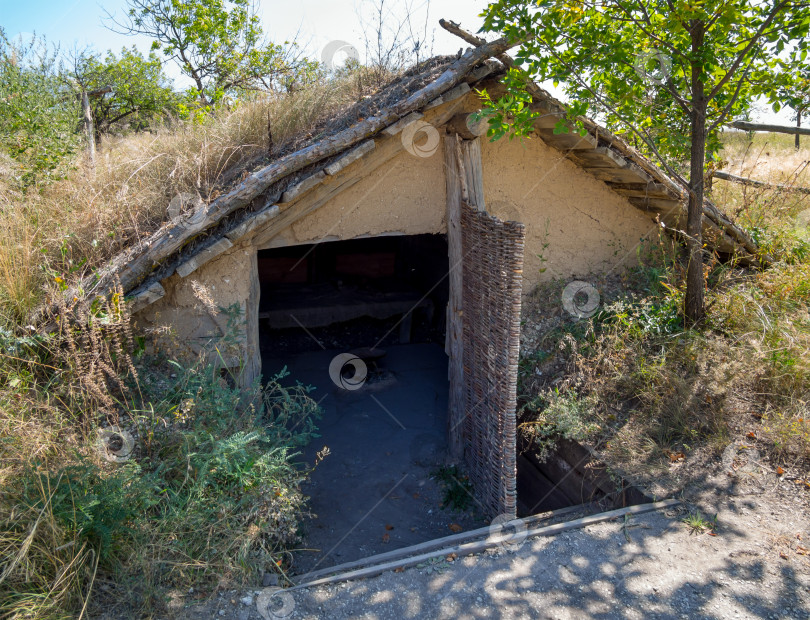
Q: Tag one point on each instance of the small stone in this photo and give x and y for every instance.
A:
(221, 612)
(269, 579)
(246, 600)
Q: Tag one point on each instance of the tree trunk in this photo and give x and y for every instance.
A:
(797, 142)
(695, 284)
(89, 131)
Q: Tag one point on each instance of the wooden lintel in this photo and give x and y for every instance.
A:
(199, 259)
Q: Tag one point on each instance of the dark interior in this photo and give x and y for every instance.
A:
(361, 292)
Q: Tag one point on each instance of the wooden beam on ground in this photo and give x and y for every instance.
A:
(746, 126)
(454, 336)
(439, 543)
(753, 183)
(488, 543)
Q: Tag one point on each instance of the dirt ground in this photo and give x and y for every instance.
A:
(755, 564)
(377, 489)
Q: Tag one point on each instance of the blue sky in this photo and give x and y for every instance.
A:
(314, 22)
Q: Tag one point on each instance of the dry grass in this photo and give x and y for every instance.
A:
(75, 224)
(659, 389)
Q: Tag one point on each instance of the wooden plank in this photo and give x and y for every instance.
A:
(402, 123)
(350, 157)
(641, 190)
(454, 336)
(146, 296)
(566, 141)
(600, 157)
(630, 174)
(754, 183)
(202, 257)
(252, 223)
(659, 205)
(304, 186)
(746, 126)
(489, 543)
(438, 543)
(472, 173)
(479, 73)
(456, 93)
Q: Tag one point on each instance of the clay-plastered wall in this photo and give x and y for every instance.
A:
(587, 227)
(405, 195)
(191, 324)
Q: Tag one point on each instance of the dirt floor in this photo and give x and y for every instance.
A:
(376, 490)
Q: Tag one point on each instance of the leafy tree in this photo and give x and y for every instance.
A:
(128, 91)
(217, 43)
(37, 116)
(795, 93)
(663, 70)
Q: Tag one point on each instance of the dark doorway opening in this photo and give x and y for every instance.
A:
(381, 300)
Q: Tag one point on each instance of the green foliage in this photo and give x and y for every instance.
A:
(634, 62)
(139, 93)
(219, 45)
(458, 490)
(37, 115)
(559, 415)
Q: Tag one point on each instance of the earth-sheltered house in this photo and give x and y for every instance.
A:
(405, 191)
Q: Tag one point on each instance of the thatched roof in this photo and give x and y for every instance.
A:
(188, 241)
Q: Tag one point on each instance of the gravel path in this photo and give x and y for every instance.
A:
(649, 566)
